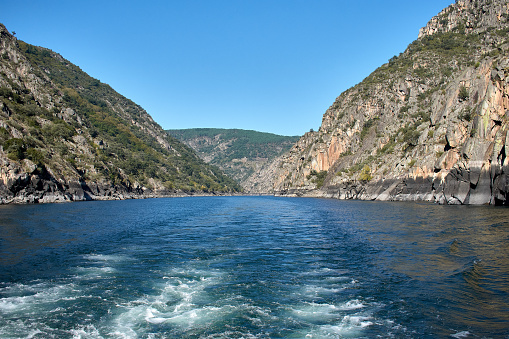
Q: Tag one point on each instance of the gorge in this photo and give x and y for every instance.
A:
(431, 125)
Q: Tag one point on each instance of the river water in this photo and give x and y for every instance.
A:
(253, 267)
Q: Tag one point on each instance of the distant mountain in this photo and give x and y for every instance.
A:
(65, 136)
(241, 154)
(431, 124)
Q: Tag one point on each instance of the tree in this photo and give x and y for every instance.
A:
(365, 174)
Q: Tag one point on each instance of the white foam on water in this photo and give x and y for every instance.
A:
(462, 334)
(31, 310)
(190, 318)
(106, 257)
(356, 321)
(33, 333)
(326, 331)
(30, 298)
(126, 323)
(102, 266)
(183, 302)
(233, 334)
(326, 271)
(321, 311)
(26, 328)
(350, 326)
(336, 279)
(313, 290)
(86, 332)
(351, 305)
(97, 272)
(316, 312)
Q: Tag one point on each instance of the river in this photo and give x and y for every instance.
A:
(253, 267)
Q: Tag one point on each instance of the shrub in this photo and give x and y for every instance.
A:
(463, 94)
(15, 148)
(365, 174)
(59, 131)
(403, 109)
(367, 125)
(387, 148)
(35, 155)
(4, 134)
(466, 114)
(411, 137)
(319, 177)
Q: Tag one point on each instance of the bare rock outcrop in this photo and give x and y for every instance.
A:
(430, 125)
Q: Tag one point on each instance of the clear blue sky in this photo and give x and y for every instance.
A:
(267, 65)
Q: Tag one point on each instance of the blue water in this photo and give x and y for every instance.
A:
(253, 267)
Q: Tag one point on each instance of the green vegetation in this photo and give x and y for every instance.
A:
(127, 152)
(243, 143)
(452, 44)
(448, 51)
(317, 177)
(367, 126)
(466, 114)
(387, 148)
(409, 135)
(463, 94)
(15, 148)
(227, 146)
(365, 174)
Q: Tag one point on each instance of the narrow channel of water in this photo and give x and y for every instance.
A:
(253, 267)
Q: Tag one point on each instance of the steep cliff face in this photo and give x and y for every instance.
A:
(65, 136)
(241, 154)
(431, 124)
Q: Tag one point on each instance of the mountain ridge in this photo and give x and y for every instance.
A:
(240, 153)
(66, 136)
(431, 124)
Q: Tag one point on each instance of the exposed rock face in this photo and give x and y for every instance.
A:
(429, 125)
(473, 15)
(65, 136)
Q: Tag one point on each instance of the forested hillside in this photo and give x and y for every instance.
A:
(66, 136)
(239, 153)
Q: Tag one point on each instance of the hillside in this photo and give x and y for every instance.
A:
(66, 136)
(431, 124)
(241, 154)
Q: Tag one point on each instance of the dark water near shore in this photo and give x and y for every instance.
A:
(242, 267)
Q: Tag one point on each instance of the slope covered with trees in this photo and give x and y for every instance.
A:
(66, 136)
(239, 153)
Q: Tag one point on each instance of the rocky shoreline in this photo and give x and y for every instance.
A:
(42, 187)
(481, 187)
(412, 131)
(68, 197)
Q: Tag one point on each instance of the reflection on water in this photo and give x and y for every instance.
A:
(253, 267)
(461, 252)
(27, 229)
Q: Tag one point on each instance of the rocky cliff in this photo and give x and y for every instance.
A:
(431, 124)
(241, 154)
(65, 136)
